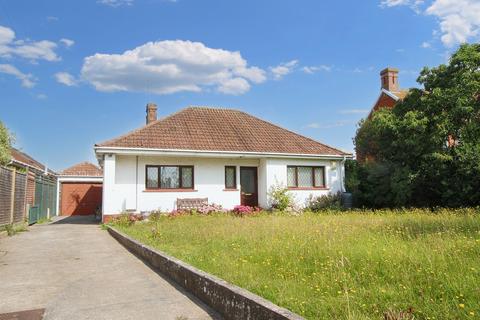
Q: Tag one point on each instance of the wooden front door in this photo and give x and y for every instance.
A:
(249, 186)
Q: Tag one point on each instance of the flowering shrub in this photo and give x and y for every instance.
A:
(245, 210)
(203, 210)
(127, 219)
(211, 208)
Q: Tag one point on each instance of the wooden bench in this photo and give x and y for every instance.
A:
(191, 203)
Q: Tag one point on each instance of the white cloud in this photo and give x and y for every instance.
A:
(283, 69)
(66, 79)
(52, 18)
(28, 80)
(67, 42)
(459, 19)
(41, 96)
(166, 67)
(33, 50)
(354, 111)
(116, 3)
(414, 4)
(314, 69)
(425, 45)
(336, 124)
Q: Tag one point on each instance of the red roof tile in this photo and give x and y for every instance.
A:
(212, 129)
(83, 169)
(24, 159)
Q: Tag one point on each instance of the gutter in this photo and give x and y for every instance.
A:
(213, 153)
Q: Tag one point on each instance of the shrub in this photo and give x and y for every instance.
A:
(325, 202)
(211, 208)
(127, 219)
(245, 210)
(280, 198)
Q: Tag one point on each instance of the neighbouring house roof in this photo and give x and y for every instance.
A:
(83, 169)
(214, 129)
(388, 99)
(23, 159)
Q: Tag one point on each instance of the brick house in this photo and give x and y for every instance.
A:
(390, 94)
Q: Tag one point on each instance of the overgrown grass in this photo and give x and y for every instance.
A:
(359, 265)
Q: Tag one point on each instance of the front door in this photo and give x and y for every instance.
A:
(248, 185)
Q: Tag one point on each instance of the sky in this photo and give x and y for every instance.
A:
(76, 73)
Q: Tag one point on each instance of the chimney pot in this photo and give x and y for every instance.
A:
(389, 78)
(151, 112)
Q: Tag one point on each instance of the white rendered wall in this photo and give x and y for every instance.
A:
(124, 181)
(276, 174)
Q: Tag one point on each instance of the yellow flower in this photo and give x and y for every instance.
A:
(461, 305)
(472, 313)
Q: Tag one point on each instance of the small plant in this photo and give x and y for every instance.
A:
(12, 229)
(211, 208)
(127, 219)
(245, 210)
(280, 198)
(44, 220)
(325, 202)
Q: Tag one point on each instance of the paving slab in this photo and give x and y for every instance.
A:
(74, 270)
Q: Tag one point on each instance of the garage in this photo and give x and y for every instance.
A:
(80, 189)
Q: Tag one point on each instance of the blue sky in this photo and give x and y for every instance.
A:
(76, 73)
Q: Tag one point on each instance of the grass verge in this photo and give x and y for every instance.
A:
(359, 265)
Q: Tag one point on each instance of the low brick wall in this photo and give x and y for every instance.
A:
(230, 301)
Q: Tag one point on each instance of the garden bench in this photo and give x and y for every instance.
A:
(191, 203)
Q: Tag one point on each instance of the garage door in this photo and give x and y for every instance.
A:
(80, 198)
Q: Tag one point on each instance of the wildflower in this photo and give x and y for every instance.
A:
(461, 305)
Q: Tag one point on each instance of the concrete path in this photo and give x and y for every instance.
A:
(75, 270)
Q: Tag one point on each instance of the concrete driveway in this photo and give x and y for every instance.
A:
(75, 270)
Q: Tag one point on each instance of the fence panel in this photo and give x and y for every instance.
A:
(19, 199)
(5, 195)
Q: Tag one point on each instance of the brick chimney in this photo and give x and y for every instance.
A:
(151, 112)
(389, 78)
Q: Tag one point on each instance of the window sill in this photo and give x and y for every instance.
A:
(228, 189)
(308, 188)
(170, 190)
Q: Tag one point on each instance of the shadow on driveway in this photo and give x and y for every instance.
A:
(90, 219)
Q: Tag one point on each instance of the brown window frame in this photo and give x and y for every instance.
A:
(324, 183)
(159, 170)
(234, 178)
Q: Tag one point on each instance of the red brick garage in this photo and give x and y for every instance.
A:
(80, 189)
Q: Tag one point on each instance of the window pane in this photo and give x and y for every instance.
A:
(230, 177)
(319, 182)
(187, 177)
(152, 177)
(305, 178)
(291, 177)
(169, 178)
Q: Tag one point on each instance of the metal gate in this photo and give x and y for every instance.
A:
(45, 204)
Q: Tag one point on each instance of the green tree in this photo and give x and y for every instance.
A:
(429, 144)
(5, 144)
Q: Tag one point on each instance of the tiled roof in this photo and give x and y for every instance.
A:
(83, 169)
(212, 129)
(400, 94)
(24, 159)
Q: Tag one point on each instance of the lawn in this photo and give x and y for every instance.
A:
(357, 265)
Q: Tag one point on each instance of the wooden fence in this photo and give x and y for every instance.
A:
(13, 186)
(26, 196)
